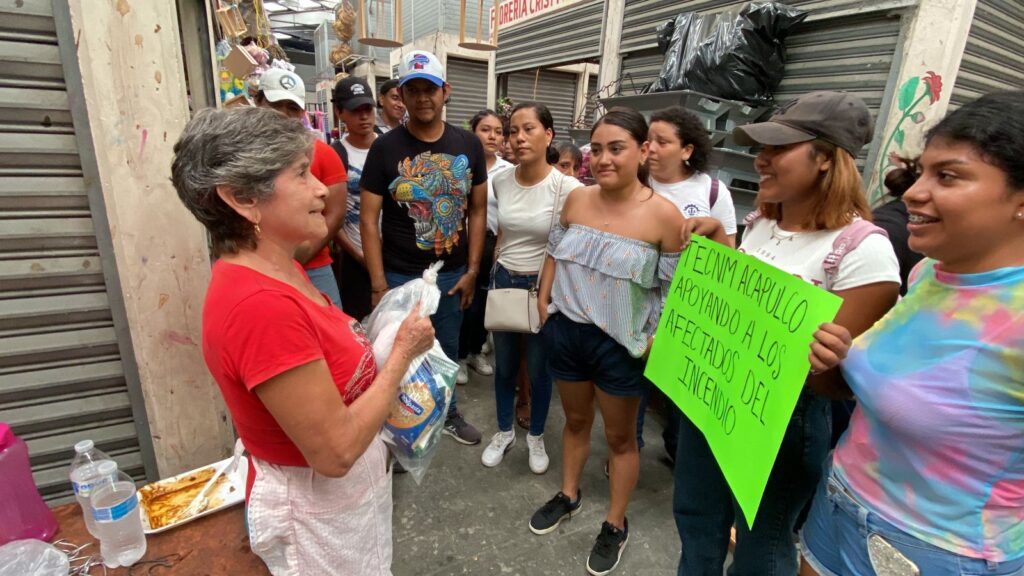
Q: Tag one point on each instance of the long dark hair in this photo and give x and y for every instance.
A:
(994, 126)
(476, 119)
(546, 120)
(632, 122)
(689, 130)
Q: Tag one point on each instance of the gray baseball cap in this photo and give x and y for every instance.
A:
(837, 117)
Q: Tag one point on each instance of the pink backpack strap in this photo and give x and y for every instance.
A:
(752, 217)
(713, 197)
(847, 242)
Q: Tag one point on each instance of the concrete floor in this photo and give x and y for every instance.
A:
(468, 519)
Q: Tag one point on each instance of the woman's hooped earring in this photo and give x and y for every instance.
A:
(1020, 215)
(256, 228)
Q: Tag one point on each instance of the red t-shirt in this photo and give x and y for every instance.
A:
(255, 328)
(329, 170)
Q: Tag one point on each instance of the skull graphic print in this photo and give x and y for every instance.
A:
(434, 189)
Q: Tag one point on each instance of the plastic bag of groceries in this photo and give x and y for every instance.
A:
(413, 428)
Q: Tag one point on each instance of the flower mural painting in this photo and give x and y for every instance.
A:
(912, 106)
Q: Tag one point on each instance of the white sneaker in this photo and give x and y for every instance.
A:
(500, 444)
(480, 364)
(487, 347)
(463, 375)
(538, 455)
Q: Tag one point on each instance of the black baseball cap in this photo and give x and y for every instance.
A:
(837, 117)
(352, 92)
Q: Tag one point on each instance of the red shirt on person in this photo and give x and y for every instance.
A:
(255, 328)
(329, 170)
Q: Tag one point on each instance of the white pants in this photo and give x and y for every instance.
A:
(302, 523)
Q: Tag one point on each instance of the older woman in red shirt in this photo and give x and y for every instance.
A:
(297, 374)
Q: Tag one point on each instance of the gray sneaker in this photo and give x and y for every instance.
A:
(463, 432)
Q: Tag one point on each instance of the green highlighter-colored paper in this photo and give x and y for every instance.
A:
(731, 351)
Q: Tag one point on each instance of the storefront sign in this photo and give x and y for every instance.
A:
(513, 12)
(731, 350)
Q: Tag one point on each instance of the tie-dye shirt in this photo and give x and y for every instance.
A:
(936, 445)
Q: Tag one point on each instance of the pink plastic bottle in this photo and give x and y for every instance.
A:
(23, 514)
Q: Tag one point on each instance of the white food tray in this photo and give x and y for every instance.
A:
(225, 494)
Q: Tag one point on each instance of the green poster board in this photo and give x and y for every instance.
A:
(731, 350)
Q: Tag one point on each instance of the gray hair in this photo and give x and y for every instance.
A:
(242, 149)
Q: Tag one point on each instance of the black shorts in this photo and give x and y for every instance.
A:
(583, 352)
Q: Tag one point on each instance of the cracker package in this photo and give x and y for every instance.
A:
(413, 428)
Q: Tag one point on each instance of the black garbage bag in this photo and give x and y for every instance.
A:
(735, 55)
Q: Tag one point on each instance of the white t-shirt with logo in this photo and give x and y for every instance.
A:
(802, 254)
(524, 216)
(500, 165)
(693, 198)
(354, 168)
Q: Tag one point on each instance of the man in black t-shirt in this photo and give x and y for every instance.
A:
(420, 182)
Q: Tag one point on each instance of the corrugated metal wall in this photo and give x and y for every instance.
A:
(469, 89)
(569, 35)
(643, 16)
(994, 57)
(419, 18)
(61, 374)
(450, 17)
(556, 90)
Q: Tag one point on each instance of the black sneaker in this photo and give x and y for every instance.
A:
(551, 514)
(607, 551)
(463, 432)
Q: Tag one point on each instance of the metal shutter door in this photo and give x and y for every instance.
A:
(570, 35)
(994, 57)
(469, 90)
(852, 53)
(642, 17)
(556, 90)
(61, 375)
(591, 102)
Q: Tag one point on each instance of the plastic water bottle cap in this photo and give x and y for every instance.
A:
(6, 436)
(107, 468)
(84, 446)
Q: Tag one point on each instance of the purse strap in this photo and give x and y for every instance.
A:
(554, 214)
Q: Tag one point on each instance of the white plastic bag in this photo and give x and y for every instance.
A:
(413, 428)
(32, 558)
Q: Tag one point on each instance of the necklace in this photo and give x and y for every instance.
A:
(605, 216)
(778, 236)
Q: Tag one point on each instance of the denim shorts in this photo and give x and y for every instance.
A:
(834, 541)
(583, 352)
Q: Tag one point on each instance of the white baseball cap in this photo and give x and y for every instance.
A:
(420, 64)
(278, 84)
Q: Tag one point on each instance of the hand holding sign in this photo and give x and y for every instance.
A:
(732, 352)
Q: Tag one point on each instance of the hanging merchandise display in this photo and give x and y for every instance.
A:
(344, 26)
(232, 24)
(373, 11)
(482, 39)
(246, 50)
(733, 55)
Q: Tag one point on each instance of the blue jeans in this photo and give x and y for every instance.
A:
(447, 320)
(323, 280)
(670, 433)
(834, 540)
(506, 356)
(704, 508)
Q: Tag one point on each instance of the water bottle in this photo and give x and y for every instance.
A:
(23, 514)
(84, 476)
(115, 508)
